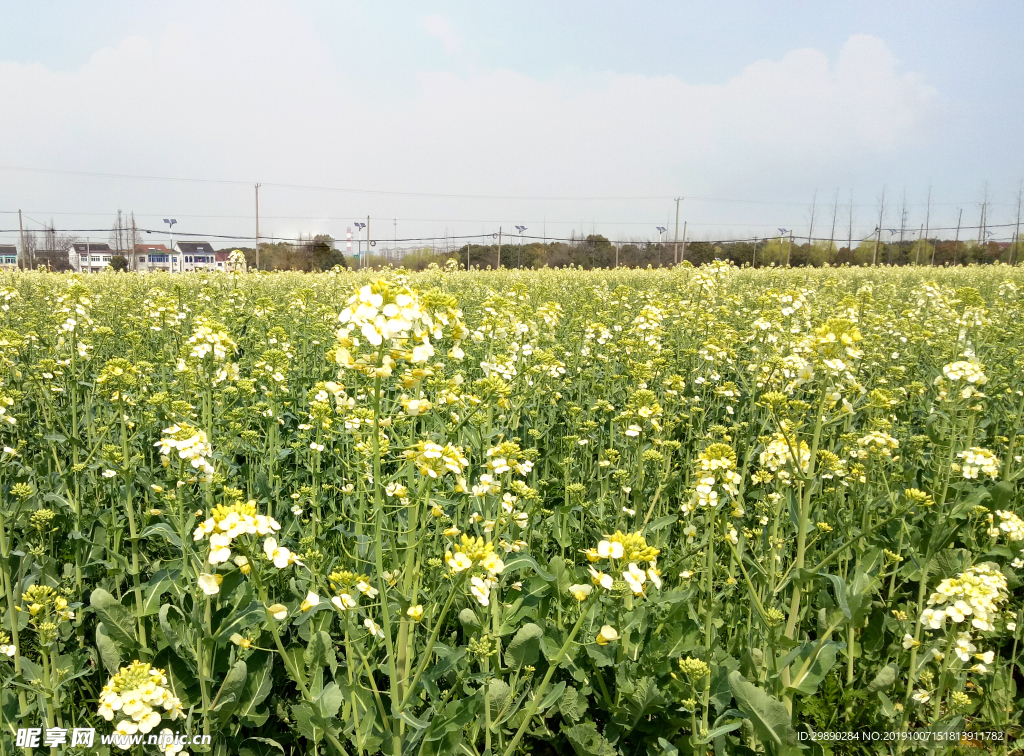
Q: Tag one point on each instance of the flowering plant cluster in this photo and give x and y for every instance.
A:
(139, 698)
(690, 509)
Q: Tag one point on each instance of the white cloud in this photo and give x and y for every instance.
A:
(268, 101)
(440, 27)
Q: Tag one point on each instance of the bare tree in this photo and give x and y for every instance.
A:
(55, 246)
(29, 247)
(118, 235)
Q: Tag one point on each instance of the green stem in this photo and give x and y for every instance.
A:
(539, 694)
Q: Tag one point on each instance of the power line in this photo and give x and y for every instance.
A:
(346, 190)
(481, 236)
(442, 195)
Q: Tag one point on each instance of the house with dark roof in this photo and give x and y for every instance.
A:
(8, 256)
(199, 255)
(89, 257)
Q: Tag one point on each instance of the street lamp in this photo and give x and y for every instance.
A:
(360, 226)
(170, 232)
(661, 234)
(782, 235)
(520, 229)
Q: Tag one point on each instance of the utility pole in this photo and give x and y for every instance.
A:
(928, 220)
(134, 258)
(675, 251)
(617, 255)
(878, 228)
(832, 235)
(1016, 235)
(257, 226)
(20, 236)
(920, 238)
(368, 239)
(789, 249)
(956, 242)
(499, 247)
(682, 257)
(814, 207)
(984, 216)
(753, 256)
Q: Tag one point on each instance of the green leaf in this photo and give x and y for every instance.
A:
(109, 650)
(469, 620)
(524, 649)
(499, 695)
(949, 562)
(230, 692)
(181, 677)
(721, 692)
(319, 652)
(717, 732)
(660, 523)
(560, 573)
(552, 695)
(668, 748)
(1002, 494)
(258, 684)
(260, 747)
(329, 700)
(587, 741)
(118, 620)
(308, 721)
(151, 604)
(174, 625)
(808, 680)
(238, 620)
(163, 529)
(519, 561)
(885, 678)
(772, 723)
(572, 705)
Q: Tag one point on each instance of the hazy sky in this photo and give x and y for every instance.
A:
(457, 118)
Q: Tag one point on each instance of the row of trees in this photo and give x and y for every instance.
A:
(49, 248)
(596, 251)
(310, 253)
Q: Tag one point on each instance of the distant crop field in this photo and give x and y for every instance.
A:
(687, 510)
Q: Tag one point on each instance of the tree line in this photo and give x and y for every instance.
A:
(596, 251)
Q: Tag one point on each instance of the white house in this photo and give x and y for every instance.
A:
(197, 255)
(156, 257)
(89, 257)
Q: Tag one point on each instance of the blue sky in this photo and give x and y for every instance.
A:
(460, 118)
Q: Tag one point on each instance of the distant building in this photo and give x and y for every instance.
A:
(183, 257)
(8, 256)
(156, 257)
(201, 256)
(89, 257)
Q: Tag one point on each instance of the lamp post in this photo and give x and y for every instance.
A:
(520, 229)
(782, 235)
(170, 232)
(661, 235)
(360, 226)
